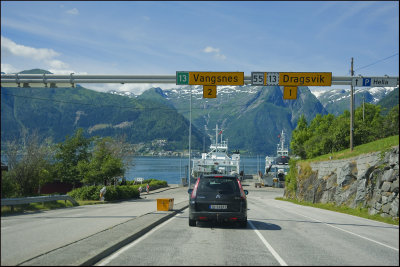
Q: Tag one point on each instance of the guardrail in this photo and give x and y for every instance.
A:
(26, 200)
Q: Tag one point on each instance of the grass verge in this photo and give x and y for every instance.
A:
(39, 206)
(378, 145)
(360, 212)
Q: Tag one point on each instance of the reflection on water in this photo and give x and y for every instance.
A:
(170, 169)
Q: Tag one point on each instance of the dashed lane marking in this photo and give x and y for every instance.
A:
(269, 247)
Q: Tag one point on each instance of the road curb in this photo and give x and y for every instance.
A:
(130, 239)
(102, 244)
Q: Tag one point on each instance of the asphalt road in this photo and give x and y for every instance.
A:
(278, 233)
(26, 236)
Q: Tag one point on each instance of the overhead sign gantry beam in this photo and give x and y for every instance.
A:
(167, 79)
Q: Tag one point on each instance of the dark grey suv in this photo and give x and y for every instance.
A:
(218, 198)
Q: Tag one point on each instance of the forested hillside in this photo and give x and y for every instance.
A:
(389, 101)
(57, 112)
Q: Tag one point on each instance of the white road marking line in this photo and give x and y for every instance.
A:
(348, 232)
(269, 247)
(108, 259)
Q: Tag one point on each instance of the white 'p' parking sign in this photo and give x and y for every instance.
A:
(374, 82)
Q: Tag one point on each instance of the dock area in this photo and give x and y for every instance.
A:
(255, 181)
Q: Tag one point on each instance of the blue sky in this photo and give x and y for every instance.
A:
(165, 37)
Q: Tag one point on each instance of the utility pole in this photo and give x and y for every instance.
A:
(363, 107)
(351, 109)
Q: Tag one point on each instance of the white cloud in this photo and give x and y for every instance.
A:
(36, 56)
(7, 68)
(215, 51)
(210, 49)
(219, 56)
(25, 51)
(73, 11)
(57, 64)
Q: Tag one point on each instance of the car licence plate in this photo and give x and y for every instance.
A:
(218, 207)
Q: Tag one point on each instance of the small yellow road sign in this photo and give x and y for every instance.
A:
(209, 91)
(290, 92)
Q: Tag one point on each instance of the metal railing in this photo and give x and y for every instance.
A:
(26, 200)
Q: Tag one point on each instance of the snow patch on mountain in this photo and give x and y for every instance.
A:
(335, 95)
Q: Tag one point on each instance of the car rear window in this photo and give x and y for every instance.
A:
(218, 185)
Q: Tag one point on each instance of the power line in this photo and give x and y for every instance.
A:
(376, 62)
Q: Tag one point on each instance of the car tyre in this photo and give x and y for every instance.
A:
(243, 224)
(192, 222)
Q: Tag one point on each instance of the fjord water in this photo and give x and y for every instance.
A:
(171, 169)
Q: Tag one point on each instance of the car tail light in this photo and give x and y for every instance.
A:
(218, 176)
(194, 192)
(233, 219)
(242, 194)
(203, 218)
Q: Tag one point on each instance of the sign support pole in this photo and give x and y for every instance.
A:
(190, 135)
(351, 109)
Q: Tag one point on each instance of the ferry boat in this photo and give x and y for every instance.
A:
(277, 167)
(217, 159)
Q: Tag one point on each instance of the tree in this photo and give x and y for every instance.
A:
(340, 132)
(103, 166)
(69, 154)
(29, 166)
(313, 144)
(391, 122)
(299, 136)
(371, 127)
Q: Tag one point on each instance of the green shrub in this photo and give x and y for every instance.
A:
(9, 188)
(291, 179)
(93, 192)
(86, 193)
(153, 183)
(119, 192)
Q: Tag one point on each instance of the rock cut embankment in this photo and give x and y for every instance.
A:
(369, 180)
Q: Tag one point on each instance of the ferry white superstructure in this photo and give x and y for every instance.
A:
(217, 159)
(278, 166)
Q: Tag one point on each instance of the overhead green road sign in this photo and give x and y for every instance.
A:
(182, 77)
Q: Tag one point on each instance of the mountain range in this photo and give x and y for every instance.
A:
(337, 100)
(251, 117)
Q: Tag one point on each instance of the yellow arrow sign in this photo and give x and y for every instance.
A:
(216, 78)
(305, 78)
